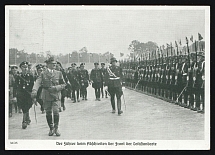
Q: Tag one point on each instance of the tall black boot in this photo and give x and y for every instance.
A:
(85, 94)
(56, 122)
(28, 120)
(112, 104)
(24, 122)
(119, 106)
(50, 124)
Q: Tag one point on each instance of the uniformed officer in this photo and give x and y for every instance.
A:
(39, 68)
(114, 86)
(15, 73)
(11, 89)
(53, 83)
(84, 81)
(73, 77)
(199, 93)
(96, 78)
(24, 84)
(104, 71)
(64, 91)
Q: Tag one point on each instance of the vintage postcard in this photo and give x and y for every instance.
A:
(107, 77)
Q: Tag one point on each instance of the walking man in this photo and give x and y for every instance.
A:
(24, 83)
(104, 72)
(113, 84)
(53, 83)
(84, 78)
(96, 79)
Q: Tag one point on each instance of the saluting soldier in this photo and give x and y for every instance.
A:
(39, 68)
(104, 71)
(73, 77)
(84, 79)
(24, 84)
(113, 82)
(52, 83)
(96, 78)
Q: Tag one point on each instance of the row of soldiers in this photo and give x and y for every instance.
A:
(177, 79)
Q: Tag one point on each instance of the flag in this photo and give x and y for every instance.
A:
(191, 38)
(176, 45)
(186, 40)
(180, 42)
(200, 36)
(121, 54)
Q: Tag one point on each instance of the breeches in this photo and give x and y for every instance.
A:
(51, 106)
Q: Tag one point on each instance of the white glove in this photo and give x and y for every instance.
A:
(123, 88)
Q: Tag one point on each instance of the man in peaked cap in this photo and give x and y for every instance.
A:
(104, 72)
(24, 83)
(113, 82)
(52, 83)
(64, 91)
(73, 77)
(96, 79)
(14, 73)
(84, 79)
(39, 69)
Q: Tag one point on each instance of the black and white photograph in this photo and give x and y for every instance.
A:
(107, 77)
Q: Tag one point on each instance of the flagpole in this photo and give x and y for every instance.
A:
(15, 56)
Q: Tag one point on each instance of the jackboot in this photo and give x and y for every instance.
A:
(56, 122)
(28, 120)
(50, 124)
(119, 106)
(24, 122)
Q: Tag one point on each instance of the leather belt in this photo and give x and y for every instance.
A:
(114, 78)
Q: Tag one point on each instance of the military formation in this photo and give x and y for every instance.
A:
(50, 84)
(178, 79)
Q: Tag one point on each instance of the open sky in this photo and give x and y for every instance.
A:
(100, 29)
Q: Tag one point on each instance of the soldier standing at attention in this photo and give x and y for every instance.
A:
(96, 79)
(113, 83)
(84, 79)
(24, 84)
(53, 83)
(104, 72)
(73, 77)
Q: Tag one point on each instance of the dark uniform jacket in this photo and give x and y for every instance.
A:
(115, 79)
(73, 77)
(84, 78)
(97, 78)
(24, 85)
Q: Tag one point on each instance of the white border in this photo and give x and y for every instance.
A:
(161, 144)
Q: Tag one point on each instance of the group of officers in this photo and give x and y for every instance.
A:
(49, 84)
(177, 79)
